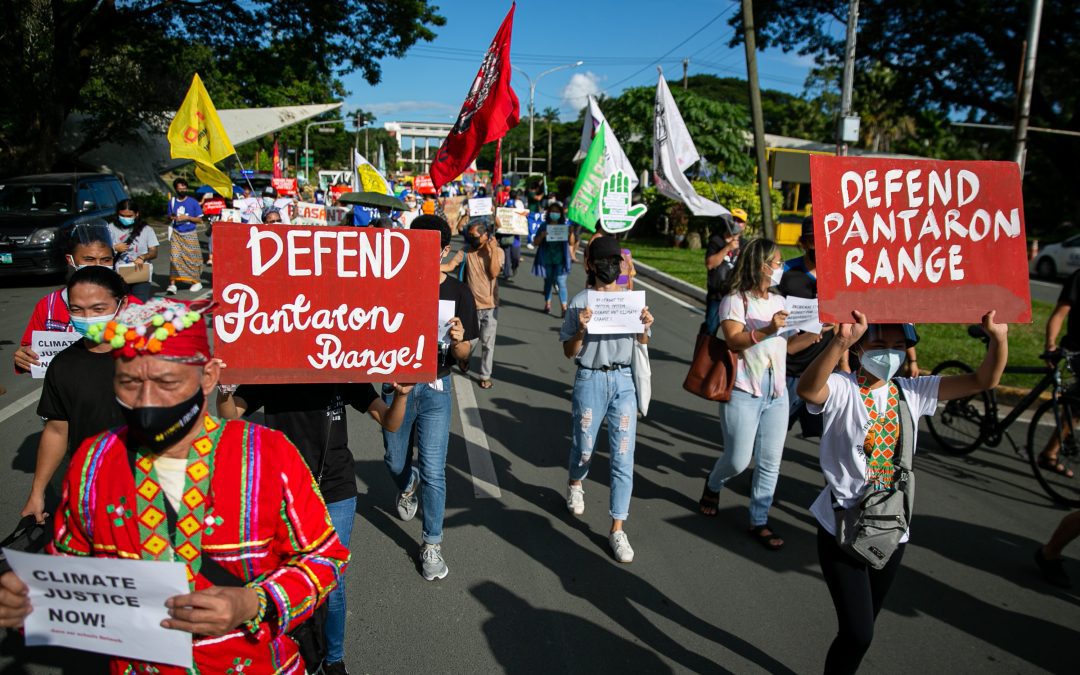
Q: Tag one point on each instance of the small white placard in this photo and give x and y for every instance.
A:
(104, 605)
(803, 314)
(617, 312)
(558, 232)
(47, 344)
(480, 206)
(446, 312)
(512, 221)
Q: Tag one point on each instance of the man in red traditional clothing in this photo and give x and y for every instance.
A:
(234, 501)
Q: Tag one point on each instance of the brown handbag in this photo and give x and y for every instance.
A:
(712, 372)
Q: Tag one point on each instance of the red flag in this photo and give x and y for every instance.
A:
(277, 161)
(489, 111)
(497, 179)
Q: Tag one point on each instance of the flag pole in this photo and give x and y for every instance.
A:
(243, 171)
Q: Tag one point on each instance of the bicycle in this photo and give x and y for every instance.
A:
(962, 425)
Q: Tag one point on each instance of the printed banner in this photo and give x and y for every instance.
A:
(284, 186)
(802, 314)
(104, 605)
(616, 313)
(318, 214)
(326, 304)
(47, 344)
(919, 241)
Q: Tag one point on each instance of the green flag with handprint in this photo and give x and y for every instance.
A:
(604, 186)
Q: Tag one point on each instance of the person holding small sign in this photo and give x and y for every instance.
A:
(89, 245)
(427, 417)
(232, 501)
(553, 259)
(864, 430)
(754, 421)
(603, 389)
(134, 242)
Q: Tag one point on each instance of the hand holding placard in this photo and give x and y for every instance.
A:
(616, 313)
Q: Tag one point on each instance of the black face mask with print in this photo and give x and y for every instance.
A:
(158, 427)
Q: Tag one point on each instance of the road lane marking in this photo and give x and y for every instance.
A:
(669, 296)
(18, 406)
(485, 482)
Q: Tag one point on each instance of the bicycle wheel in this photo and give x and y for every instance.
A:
(1052, 423)
(959, 425)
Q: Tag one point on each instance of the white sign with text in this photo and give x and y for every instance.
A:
(558, 233)
(803, 314)
(47, 344)
(104, 605)
(480, 206)
(616, 313)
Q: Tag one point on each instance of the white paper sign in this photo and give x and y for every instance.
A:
(446, 312)
(616, 313)
(480, 206)
(231, 216)
(47, 344)
(803, 314)
(104, 605)
(512, 221)
(558, 232)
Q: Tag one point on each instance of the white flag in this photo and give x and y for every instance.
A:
(593, 118)
(673, 153)
(367, 178)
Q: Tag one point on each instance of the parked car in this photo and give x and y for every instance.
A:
(1056, 260)
(38, 213)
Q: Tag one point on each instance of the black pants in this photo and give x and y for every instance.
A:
(858, 592)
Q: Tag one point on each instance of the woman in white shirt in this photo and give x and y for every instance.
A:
(857, 448)
(755, 419)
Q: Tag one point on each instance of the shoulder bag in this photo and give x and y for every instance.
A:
(712, 372)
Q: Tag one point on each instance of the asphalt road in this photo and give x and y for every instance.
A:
(534, 590)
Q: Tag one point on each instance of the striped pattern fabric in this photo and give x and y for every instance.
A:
(185, 258)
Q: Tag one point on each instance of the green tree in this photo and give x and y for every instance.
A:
(118, 65)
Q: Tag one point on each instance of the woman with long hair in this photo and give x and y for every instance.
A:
(134, 242)
(754, 421)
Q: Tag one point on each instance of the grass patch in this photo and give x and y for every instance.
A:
(938, 342)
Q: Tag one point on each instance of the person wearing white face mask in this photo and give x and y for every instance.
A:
(77, 399)
(754, 421)
(859, 455)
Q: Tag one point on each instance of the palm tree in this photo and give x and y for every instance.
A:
(551, 116)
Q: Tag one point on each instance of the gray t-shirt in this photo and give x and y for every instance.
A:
(597, 351)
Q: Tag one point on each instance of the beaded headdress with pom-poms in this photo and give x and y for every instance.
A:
(160, 327)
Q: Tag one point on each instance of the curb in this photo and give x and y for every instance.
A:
(674, 283)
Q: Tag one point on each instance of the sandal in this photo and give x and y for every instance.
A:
(767, 537)
(1049, 463)
(709, 503)
(486, 384)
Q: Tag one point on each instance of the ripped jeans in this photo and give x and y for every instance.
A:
(599, 395)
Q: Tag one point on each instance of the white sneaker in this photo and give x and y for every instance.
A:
(620, 546)
(575, 499)
(407, 502)
(433, 565)
(170, 289)
(195, 288)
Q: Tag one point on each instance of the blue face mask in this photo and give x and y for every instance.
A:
(554, 216)
(82, 323)
(125, 221)
(883, 363)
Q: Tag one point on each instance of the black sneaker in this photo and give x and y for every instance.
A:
(1052, 570)
(336, 668)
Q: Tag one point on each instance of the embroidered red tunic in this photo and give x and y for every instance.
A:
(264, 521)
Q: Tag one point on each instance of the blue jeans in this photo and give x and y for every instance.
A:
(598, 395)
(753, 425)
(555, 275)
(428, 410)
(712, 316)
(341, 515)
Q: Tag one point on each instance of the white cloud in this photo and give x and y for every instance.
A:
(390, 108)
(579, 88)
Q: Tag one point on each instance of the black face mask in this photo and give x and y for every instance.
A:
(472, 240)
(607, 270)
(157, 427)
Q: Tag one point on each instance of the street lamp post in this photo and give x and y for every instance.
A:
(532, 98)
(307, 153)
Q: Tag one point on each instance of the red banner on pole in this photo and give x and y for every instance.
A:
(325, 304)
(914, 241)
(489, 111)
(277, 161)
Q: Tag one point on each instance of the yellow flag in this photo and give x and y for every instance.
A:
(196, 133)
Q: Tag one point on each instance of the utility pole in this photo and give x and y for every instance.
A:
(1024, 112)
(847, 127)
(759, 122)
(685, 69)
(532, 98)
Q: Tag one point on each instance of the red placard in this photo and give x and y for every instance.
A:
(213, 207)
(916, 241)
(284, 186)
(423, 184)
(325, 304)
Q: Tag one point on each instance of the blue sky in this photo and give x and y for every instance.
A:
(617, 40)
